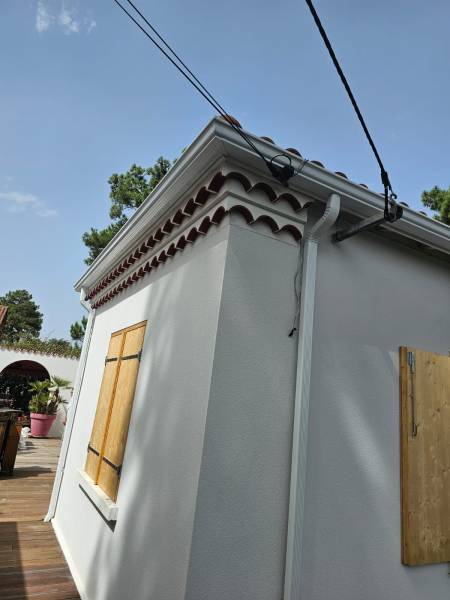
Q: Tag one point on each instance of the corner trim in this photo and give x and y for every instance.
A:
(72, 410)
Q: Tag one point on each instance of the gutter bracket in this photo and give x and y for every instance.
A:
(391, 216)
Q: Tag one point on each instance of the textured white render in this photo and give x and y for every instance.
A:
(239, 539)
(55, 365)
(147, 554)
(372, 296)
(202, 505)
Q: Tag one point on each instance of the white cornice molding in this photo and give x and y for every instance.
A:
(225, 192)
(219, 141)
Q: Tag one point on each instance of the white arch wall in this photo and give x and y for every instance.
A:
(55, 365)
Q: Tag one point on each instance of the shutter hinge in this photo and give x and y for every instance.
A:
(131, 356)
(128, 357)
(412, 368)
(91, 449)
(117, 468)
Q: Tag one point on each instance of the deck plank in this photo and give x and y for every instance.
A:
(31, 562)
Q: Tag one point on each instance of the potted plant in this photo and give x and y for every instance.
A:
(44, 403)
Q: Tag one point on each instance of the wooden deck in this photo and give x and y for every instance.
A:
(31, 562)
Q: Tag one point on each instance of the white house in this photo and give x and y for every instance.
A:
(22, 362)
(211, 455)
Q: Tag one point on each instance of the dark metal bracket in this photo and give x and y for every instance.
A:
(91, 449)
(370, 223)
(117, 468)
(129, 357)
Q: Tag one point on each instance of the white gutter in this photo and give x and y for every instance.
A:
(72, 409)
(293, 569)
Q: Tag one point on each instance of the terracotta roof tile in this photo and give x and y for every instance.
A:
(294, 151)
(232, 120)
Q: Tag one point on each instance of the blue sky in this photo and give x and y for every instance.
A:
(84, 94)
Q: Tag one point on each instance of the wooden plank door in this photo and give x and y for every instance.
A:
(425, 456)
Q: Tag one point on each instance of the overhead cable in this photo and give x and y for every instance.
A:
(390, 210)
(283, 173)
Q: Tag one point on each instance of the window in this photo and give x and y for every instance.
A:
(109, 433)
(425, 460)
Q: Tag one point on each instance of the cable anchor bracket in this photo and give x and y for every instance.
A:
(392, 212)
(282, 173)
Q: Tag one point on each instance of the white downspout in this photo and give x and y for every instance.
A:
(292, 578)
(72, 408)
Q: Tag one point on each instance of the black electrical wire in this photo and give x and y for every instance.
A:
(281, 173)
(384, 176)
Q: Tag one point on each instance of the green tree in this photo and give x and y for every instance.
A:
(128, 192)
(23, 319)
(78, 330)
(59, 345)
(438, 200)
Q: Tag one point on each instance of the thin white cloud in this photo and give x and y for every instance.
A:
(18, 202)
(44, 18)
(64, 14)
(90, 25)
(68, 21)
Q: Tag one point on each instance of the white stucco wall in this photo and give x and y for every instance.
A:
(147, 554)
(239, 540)
(372, 296)
(55, 365)
(204, 489)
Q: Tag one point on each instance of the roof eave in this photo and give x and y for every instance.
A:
(218, 140)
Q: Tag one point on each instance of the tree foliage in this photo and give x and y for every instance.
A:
(23, 319)
(78, 330)
(438, 200)
(128, 192)
(52, 346)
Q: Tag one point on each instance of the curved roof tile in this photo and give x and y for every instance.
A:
(294, 151)
(231, 120)
(200, 199)
(194, 233)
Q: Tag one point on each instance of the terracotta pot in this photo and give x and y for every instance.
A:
(40, 424)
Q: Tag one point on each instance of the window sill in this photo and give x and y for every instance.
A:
(97, 496)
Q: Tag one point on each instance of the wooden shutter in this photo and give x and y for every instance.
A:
(116, 437)
(109, 433)
(103, 405)
(425, 464)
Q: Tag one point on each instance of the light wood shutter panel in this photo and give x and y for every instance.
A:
(103, 406)
(122, 403)
(425, 464)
